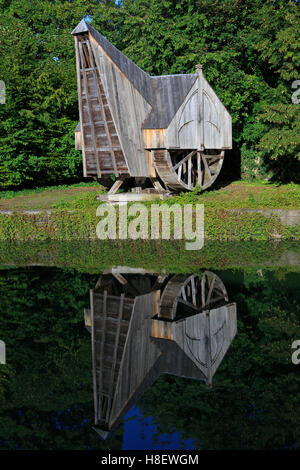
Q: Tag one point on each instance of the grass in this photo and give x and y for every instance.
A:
(25, 192)
(239, 194)
(63, 196)
(74, 212)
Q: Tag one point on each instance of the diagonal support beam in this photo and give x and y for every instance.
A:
(187, 157)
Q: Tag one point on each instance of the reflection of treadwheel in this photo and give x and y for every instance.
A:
(184, 169)
(185, 296)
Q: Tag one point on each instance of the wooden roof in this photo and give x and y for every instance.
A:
(164, 93)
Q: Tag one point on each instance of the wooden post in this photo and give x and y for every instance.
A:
(93, 352)
(200, 106)
(208, 350)
(78, 67)
(117, 184)
(199, 175)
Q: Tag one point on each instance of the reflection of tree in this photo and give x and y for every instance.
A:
(46, 386)
(255, 399)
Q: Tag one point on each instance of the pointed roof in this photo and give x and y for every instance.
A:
(155, 90)
(102, 433)
(82, 27)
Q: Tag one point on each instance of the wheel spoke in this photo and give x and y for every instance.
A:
(189, 304)
(207, 170)
(179, 172)
(203, 291)
(187, 157)
(193, 290)
(189, 172)
(199, 174)
(210, 289)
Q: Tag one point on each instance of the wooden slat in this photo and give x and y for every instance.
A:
(189, 304)
(101, 101)
(206, 167)
(212, 284)
(114, 360)
(193, 290)
(93, 354)
(117, 184)
(101, 358)
(80, 102)
(203, 291)
(187, 157)
(199, 174)
(190, 172)
(89, 112)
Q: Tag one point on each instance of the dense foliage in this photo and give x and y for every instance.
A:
(46, 399)
(254, 399)
(249, 50)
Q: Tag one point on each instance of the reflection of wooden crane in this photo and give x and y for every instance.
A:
(146, 325)
(172, 129)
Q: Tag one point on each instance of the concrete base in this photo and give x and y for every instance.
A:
(286, 216)
(124, 198)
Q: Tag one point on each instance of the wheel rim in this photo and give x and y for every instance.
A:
(184, 296)
(184, 170)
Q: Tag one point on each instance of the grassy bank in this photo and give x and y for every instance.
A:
(69, 213)
(232, 196)
(220, 224)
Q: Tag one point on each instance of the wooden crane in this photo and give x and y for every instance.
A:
(171, 130)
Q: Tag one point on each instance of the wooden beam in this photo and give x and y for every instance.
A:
(200, 106)
(193, 290)
(210, 289)
(190, 172)
(114, 360)
(101, 358)
(187, 157)
(199, 174)
(94, 71)
(93, 352)
(179, 172)
(117, 184)
(80, 103)
(189, 304)
(206, 166)
(89, 112)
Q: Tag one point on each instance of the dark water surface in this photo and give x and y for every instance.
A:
(128, 359)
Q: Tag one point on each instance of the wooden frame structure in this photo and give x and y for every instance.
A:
(145, 325)
(171, 129)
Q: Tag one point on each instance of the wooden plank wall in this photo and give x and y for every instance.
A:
(217, 120)
(140, 354)
(219, 328)
(110, 323)
(102, 153)
(129, 110)
(184, 129)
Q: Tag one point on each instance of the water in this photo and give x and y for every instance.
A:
(196, 360)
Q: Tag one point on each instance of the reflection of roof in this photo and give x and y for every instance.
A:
(164, 93)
